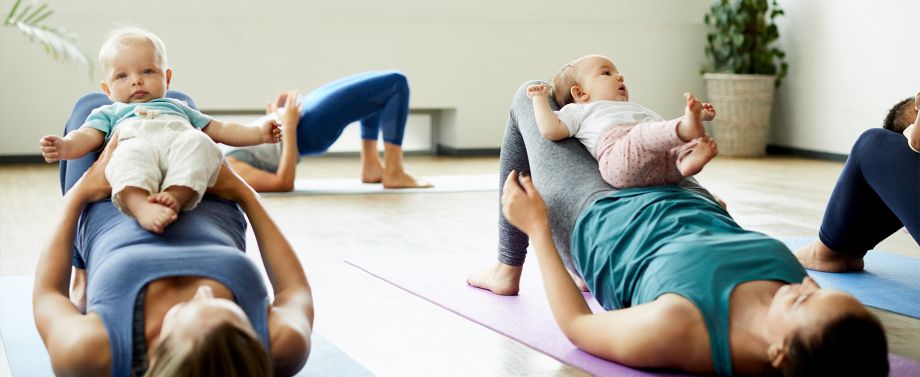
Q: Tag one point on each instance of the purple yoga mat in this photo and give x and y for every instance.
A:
(526, 317)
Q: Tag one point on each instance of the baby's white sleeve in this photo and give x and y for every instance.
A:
(571, 116)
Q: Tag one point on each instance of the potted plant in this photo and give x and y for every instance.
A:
(59, 43)
(744, 68)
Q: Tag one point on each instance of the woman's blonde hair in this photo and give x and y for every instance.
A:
(127, 35)
(227, 350)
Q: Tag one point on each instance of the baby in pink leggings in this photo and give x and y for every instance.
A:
(634, 146)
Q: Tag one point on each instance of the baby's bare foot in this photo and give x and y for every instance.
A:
(691, 127)
(501, 279)
(153, 216)
(402, 179)
(702, 153)
(817, 256)
(166, 199)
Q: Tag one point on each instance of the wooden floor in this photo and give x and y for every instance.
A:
(393, 333)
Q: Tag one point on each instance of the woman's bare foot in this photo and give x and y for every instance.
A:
(402, 179)
(691, 127)
(395, 175)
(817, 256)
(702, 153)
(371, 167)
(501, 279)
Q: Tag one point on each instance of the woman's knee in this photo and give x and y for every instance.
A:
(874, 141)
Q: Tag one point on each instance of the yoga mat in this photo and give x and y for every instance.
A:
(525, 318)
(27, 356)
(353, 186)
(889, 282)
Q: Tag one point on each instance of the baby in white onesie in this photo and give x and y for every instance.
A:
(163, 162)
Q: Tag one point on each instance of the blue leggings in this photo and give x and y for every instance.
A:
(379, 100)
(877, 193)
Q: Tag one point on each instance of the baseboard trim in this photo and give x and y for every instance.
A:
(804, 153)
(443, 150)
(22, 159)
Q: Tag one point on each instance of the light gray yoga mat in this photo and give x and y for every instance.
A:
(526, 317)
(353, 186)
(27, 355)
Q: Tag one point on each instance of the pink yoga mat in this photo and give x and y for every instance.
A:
(526, 317)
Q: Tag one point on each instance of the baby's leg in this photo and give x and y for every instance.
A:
(701, 151)
(193, 161)
(639, 156)
(134, 174)
(691, 127)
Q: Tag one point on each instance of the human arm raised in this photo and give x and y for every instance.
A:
(75, 145)
(282, 180)
(291, 314)
(631, 336)
(77, 344)
(549, 124)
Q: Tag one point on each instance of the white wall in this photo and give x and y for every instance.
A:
(849, 62)
(469, 56)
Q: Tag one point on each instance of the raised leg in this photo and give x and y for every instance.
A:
(877, 193)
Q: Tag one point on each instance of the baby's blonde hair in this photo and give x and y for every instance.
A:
(129, 35)
(562, 82)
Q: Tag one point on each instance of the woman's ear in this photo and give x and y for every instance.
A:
(777, 354)
(579, 94)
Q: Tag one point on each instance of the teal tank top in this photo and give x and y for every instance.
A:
(637, 244)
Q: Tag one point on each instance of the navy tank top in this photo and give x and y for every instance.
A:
(121, 258)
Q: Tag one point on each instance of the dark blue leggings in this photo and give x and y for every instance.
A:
(379, 100)
(877, 193)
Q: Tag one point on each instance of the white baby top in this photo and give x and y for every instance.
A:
(587, 121)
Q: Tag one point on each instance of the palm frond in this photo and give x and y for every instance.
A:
(61, 44)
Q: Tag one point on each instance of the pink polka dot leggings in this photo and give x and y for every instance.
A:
(640, 155)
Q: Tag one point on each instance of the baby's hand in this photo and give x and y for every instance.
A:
(54, 148)
(271, 131)
(538, 90)
(708, 112)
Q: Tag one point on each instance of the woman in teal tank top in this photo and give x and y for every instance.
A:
(684, 286)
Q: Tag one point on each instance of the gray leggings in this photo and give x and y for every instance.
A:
(563, 171)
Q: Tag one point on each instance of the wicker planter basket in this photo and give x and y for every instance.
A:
(743, 104)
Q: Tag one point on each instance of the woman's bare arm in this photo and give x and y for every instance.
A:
(291, 315)
(281, 180)
(631, 336)
(76, 344)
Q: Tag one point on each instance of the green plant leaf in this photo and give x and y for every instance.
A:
(740, 37)
(61, 44)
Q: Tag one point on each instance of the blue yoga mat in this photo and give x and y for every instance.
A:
(27, 355)
(890, 282)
